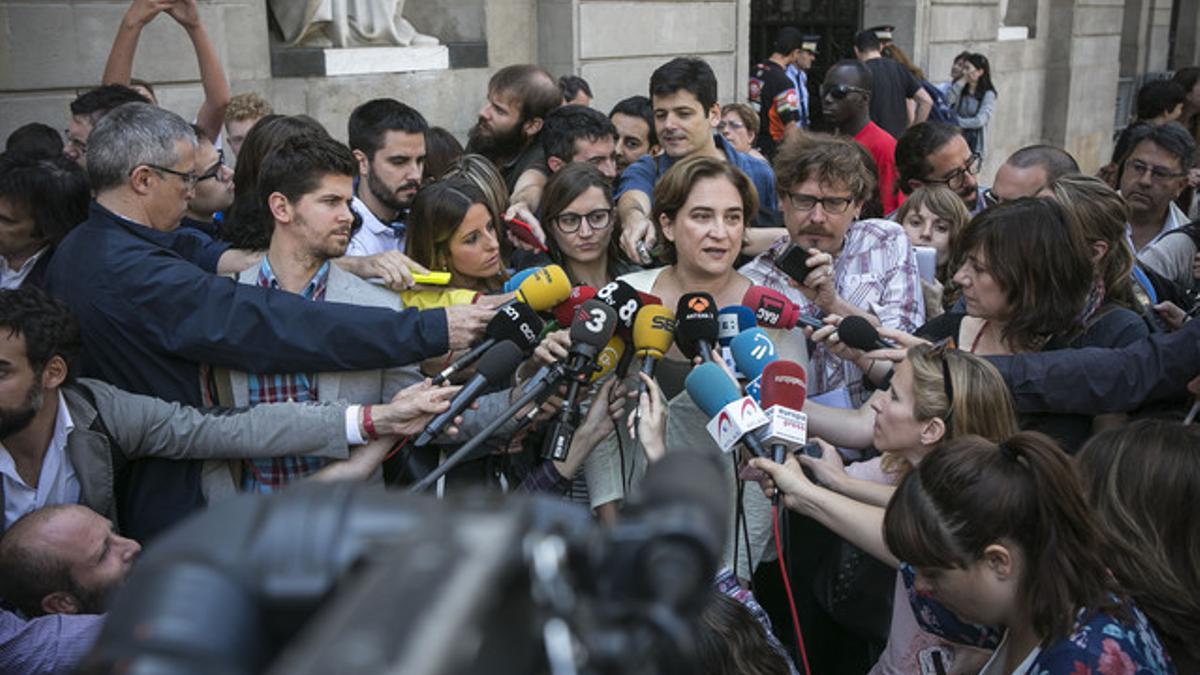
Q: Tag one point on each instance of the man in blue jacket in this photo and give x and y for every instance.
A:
(151, 318)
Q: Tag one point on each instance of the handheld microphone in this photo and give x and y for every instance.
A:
(649, 298)
(515, 322)
(731, 322)
(653, 333)
(733, 416)
(544, 288)
(565, 311)
(591, 329)
(784, 388)
(609, 358)
(752, 351)
(514, 282)
(696, 329)
(495, 367)
(624, 299)
(774, 310)
(857, 332)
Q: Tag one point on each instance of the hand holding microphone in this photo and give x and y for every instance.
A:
(496, 367)
(516, 322)
(591, 329)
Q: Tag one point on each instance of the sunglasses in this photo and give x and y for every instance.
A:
(841, 91)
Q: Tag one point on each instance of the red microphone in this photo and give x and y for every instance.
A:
(649, 299)
(784, 388)
(565, 310)
(772, 309)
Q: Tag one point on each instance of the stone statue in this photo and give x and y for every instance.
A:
(346, 23)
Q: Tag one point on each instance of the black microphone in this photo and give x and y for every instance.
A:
(591, 330)
(696, 325)
(625, 301)
(496, 366)
(515, 322)
(857, 332)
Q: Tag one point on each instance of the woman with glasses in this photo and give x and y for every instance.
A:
(577, 206)
(974, 100)
(936, 394)
(739, 126)
(934, 217)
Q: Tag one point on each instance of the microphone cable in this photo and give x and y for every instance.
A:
(787, 588)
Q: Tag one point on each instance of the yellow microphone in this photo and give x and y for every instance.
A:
(653, 333)
(609, 358)
(545, 289)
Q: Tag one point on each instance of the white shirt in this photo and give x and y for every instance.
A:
(1176, 219)
(374, 236)
(995, 665)
(11, 279)
(57, 483)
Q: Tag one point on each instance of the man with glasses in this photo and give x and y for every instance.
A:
(863, 267)
(86, 109)
(937, 153)
(1028, 171)
(151, 317)
(773, 95)
(846, 104)
(214, 188)
(1152, 177)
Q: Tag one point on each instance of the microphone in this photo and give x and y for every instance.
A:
(514, 282)
(784, 388)
(609, 358)
(565, 311)
(649, 298)
(515, 322)
(774, 310)
(696, 329)
(591, 329)
(857, 332)
(733, 416)
(495, 367)
(752, 351)
(544, 288)
(624, 299)
(731, 322)
(653, 333)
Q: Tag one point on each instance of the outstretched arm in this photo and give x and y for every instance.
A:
(119, 68)
(212, 76)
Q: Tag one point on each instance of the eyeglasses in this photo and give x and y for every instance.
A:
(722, 125)
(1156, 172)
(939, 350)
(806, 203)
(189, 179)
(990, 197)
(955, 180)
(841, 91)
(598, 219)
(216, 170)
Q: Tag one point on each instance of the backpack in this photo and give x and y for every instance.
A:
(941, 110)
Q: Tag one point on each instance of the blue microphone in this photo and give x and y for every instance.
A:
(514, 282)
(752, 351)
(731, 322)
(712, 390)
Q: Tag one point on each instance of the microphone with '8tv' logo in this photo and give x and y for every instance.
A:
(514, 321)
(732, 417)
(752, 351)
(625, 300)
(591, 329)
(696, 328)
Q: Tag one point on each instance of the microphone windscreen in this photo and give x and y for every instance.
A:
(649, 299)
(609, 358)
(545, 288)
(654, 331)
(733, 321)
(593, 324)
(752, 351)
(695, 322)
(514, 282)
(624, 299)
(498, 363)
(710, 388)
(771, 308)
(565, 311)
(516, 321)
(858, 333)
(784, 383)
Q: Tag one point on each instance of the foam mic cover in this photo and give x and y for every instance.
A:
(858, 333)
(609, 358)
(514, 282)
(696, 329)
(771, 307)
(565, 311)
(592, 326)
(710, 388)
(784, 383)
(545, 288)
(517, 322)
(649, 299)
(752, 351)
(653, 331)
(733, 321)
(624, 299)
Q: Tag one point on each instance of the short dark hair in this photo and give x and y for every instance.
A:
(788, 40)
(97, 102)
(688, 73)
(1056, 161)
(53, 189)
(531, 86)
(914, 147)
(371, 121)
(35, 138)
(296, 166)
(865, 79)
(45, 323)
(571, 85)
(867, 41)
(1171, 137)
(565, 187)
(1187, 78)
(27, 575)
(836, 160)
(569, 123)
(637, 106)
(442, 150)
(1158, 97)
